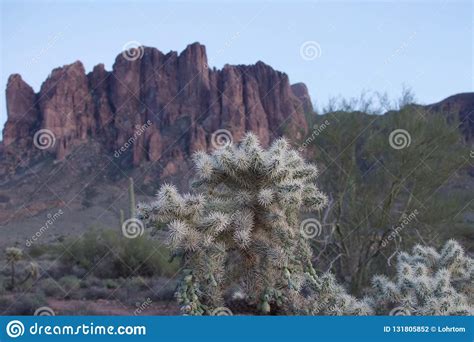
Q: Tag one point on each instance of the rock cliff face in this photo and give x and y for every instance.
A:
(458, 107)
(23, 113)
(142, 119)
(176, 97)
(301, 92)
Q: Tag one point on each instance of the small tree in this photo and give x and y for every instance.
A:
(13, 255)
(375, 187)
(242, 229)
(428, 283)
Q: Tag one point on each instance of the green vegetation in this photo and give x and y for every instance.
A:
(110, 255)
(13, 256)
(242, 229)
(383, 198)
(257, 235)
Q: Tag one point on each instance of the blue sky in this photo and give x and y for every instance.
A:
(371, 45)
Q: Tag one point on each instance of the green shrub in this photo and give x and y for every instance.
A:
(142, 256)
(95, 292)
(5, 304)
(136, 284)
(71, 285)
(51, 288)
(108, 254)
(25, 304)
(93, 247)
(111, 283)
(3, 285)
(35, 251)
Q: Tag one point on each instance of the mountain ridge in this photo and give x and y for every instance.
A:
(142, 119)
(171, 90)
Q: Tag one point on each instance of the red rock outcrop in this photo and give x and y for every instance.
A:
(301, 92)
(67, 108)
(182, 99)
(23, 113)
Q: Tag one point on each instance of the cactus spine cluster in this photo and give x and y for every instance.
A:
(241, 229)
(428, 283)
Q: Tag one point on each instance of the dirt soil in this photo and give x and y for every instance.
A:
(111, 308)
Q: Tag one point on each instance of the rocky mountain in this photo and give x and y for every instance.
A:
(73, 144)
(177, 97)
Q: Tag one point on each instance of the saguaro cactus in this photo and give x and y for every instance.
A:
(131, 203)
(242, 228)
(131, 197)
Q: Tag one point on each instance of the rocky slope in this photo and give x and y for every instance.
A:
(458, 107)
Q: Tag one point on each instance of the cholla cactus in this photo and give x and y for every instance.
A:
(242, 228)
(32, 271)
(428, 283)
(14, 255)
(330, 298)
